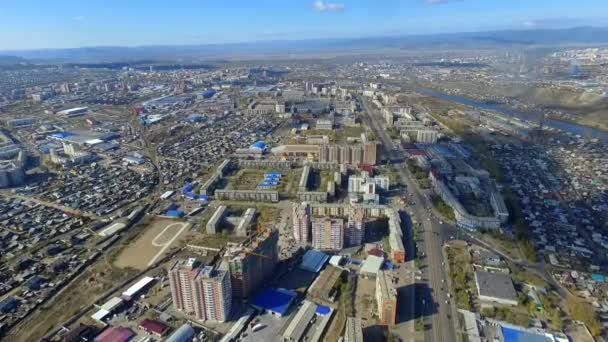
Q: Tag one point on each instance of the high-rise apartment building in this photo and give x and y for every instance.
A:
(386, 297)
(251, 262)
(369, 153)
(356, 155)
(355, 228)
(201, 292)
(301, 222)
(328, 233)
(348, 154)
(345, 154)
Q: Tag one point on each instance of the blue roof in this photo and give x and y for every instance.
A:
(514, 334)
(313, 261)
(598, 277)
(191, 195)
(203, 197)
(259, 145)
(272, 174)
(187, 187)
(175, 213)
(274, 300)
(184, 333)
(62, 135)
(322, 310)
(208, 93)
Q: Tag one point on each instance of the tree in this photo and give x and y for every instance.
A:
(488, 312)
(419, 324)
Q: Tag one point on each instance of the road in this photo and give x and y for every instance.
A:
(437, 314)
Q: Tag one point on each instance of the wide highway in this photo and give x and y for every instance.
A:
(432, 288)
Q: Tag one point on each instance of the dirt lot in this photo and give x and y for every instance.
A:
(158, 238)
(82, 292)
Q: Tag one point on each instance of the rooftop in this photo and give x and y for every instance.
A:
(495, 285)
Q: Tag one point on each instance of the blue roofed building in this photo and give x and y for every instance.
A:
(8, 304)
(174, 213)
(313, 261)
(511, 333)
(258, 145)
(274, 301)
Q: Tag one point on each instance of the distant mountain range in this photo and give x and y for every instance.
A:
(472, 40)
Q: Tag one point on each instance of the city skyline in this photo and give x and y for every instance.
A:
(71, 24)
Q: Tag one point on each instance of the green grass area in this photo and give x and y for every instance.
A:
(351, 131)
(520, 226)
(461, 274)
(419, 324)
(391, 173)
(319, 179)
(424, 183)
(507, 314)
(456, 126)
(582, 311)
(248, 179)
(442, 208)
(386, 245)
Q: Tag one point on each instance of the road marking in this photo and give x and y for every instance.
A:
(168, 243)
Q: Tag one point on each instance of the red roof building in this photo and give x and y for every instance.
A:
(115, 334)
(154, 327)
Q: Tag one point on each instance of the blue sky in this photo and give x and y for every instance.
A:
(29, 24)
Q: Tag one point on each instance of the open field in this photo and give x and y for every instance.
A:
(160, 235)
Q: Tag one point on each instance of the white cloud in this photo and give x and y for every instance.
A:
(321, 6)
(78, 18)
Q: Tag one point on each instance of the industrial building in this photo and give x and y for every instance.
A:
(353, 331)
(313, 261)
(495, 287)
(274, 301)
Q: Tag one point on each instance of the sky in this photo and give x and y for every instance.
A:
(35, 24)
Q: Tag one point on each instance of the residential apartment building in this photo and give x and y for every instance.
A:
(358, 154)
(386, 297)
(328, 233)
(201, 292)
(301, 222)
(251, 262)
(355, 228)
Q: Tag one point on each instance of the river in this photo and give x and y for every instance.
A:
(584, 131)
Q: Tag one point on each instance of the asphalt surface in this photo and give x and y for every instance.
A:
(432, 288)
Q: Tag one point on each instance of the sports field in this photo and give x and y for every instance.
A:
(156, 241)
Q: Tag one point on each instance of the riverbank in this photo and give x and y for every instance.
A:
(565, 126)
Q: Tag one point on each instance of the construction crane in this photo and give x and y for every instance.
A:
(258, 255)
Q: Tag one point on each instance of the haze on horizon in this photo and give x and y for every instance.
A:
(37, 24)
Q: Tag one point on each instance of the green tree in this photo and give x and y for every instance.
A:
(419, 324)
